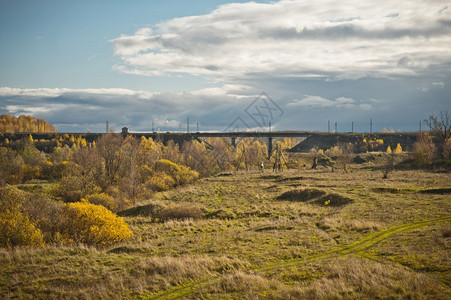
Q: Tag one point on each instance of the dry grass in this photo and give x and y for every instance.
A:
(223, 227)
(349, 277)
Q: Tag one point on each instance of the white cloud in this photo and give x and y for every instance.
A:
(313, 101)
(439, 84)
(320, 102)
(290, 38)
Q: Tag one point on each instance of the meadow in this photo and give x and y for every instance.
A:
(295, 234)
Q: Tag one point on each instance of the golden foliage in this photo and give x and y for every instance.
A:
(17, 230)
(398, 149)
(11, 124)
(93, 224)
(160, 181)
(180, 173)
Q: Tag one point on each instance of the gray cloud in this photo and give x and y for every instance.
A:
(90, 108)
(397, 104)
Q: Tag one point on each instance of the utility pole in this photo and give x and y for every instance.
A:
(187, 124)
(269, 126)
(371, 125)
(352, 127)
(153, 127)
(197, 126)
(336, 127)
(107, 127)
(328, 126)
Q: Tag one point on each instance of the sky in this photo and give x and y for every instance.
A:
(226, 65)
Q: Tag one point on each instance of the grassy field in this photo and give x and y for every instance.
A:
(291, 235)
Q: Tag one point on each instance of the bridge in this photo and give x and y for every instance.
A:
(310, 139)
(269, 135)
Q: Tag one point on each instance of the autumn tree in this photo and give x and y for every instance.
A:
(28, 124)
(10, 166)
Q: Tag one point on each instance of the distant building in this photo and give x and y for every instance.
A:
(124, 130)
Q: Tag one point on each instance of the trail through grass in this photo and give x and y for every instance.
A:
(354, 248)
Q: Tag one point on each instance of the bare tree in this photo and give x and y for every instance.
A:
(109, 149)
(389, 164)
(347, 150)
(440, 126)
(424, 150)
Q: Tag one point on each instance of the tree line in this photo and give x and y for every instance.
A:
(24, 124)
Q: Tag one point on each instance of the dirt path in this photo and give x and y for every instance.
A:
(354, 248)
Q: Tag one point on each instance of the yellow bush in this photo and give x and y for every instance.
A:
(17, 230)
(160, 181)
(186, 175)
(102, 199)
(167, 166)
(389, 151)
(145, 172)
(398, 149)
(180, 173)
(93, 224)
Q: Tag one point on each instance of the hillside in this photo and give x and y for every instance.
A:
(296, 234)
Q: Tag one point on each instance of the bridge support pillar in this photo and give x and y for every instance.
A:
(234, 142)
(269, 146)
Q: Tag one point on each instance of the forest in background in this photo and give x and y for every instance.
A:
(25, 124)
(118, 171)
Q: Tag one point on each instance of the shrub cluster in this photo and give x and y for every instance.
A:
(33, 220)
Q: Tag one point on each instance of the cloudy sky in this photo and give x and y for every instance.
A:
(296, 63)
